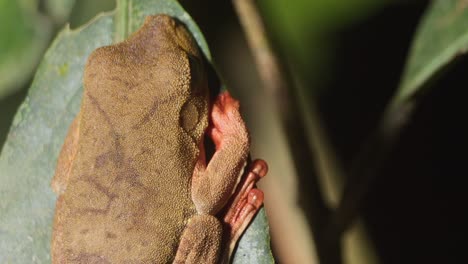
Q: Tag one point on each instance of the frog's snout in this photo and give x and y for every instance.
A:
(162, 22)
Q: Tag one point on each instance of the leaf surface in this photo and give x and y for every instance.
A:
(440, 38)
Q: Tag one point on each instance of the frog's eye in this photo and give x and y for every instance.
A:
(189, 115)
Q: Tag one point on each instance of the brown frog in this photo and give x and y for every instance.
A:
(132, 178)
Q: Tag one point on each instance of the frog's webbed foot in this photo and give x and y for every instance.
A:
(243, 206)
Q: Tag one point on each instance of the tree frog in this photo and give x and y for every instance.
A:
(133, 181)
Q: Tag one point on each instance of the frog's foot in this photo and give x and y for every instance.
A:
(244, 204)
(226, 121)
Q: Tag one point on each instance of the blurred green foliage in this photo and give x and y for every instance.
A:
(24, 34)
(301, 28)
(59, 10)
(84, 10)
(296, 21)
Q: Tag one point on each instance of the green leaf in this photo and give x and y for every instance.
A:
(254, 246)
(441, 36)
(296, 21)
(28, 158)
(24, 36)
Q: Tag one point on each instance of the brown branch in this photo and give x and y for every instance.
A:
(278, 85)
(268, 65)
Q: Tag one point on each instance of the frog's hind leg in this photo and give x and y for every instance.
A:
(66, 157)
(201, 241)
(59, 184)
(243, 206)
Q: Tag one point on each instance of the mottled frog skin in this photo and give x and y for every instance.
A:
(132, 181)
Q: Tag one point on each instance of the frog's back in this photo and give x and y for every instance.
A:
(128, 197)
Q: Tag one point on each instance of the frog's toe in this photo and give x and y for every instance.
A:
(215, 135)
(245, 202)
(226, 121)
(225, 113)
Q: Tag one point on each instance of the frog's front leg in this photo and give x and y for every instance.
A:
(215, 182)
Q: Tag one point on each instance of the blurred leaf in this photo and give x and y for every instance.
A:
(298, 23)
(85, 10)
(59, 9)
(27, 161)
(24, 35)
(441, 37)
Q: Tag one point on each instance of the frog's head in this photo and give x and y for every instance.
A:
(176, 49)
(156, 74)
(180, 64)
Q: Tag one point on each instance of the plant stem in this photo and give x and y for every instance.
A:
(277, 84)
(121, 18)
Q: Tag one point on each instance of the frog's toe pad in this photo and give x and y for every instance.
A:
(246, 202)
